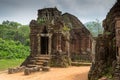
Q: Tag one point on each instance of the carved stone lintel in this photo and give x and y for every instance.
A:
(45, 35)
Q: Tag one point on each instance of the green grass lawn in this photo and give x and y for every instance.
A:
(9, 63)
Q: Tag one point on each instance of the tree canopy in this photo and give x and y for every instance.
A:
(10, 30)
(95, 27)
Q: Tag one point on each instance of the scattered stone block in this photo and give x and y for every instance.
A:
(28, 71)
(15, 70)
(46, 68)
(10, 71)
(46, 63)
(103, 78)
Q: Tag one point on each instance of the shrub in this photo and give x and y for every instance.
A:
(11, 49)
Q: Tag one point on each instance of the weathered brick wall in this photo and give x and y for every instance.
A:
(50, 24)
(106, 50)
(80, 46)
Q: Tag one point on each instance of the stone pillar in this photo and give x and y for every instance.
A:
(58, 45)
(59, 42)
(117, 68)
(39, 46)
(118, 54)
(118, 36)
(32, 43)
(93, 50)
(50, 45)
(68, 44)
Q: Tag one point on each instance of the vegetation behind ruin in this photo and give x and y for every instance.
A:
(14, 38)
(95, 27)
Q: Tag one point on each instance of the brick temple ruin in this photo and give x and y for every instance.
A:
(55, 38)
(107, 57)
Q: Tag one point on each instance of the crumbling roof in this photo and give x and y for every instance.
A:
(48, 9)
(74, 23)
(114, 13)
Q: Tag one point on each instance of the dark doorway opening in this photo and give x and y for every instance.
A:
(44, 45)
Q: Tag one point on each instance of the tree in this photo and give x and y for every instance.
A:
(22, 34)
(95, 27)
(10, 49)
(11, 24)
(10, 30)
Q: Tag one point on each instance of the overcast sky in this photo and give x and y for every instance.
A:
(23, 11)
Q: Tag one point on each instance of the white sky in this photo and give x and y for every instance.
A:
(23, 11)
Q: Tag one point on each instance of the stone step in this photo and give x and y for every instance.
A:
(42, 58)
(31, 65)
(42, 55)
(33, 60)
(39, 60)
(39, 63)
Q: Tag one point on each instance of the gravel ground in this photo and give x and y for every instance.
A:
(71, 73)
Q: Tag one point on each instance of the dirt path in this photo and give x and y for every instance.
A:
(71, 73)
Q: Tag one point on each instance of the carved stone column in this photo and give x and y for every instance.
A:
(118, 36)
(59, 41)
(32, 43)
(50, 44)
(68, 44)
(117, 69)
(39, 46)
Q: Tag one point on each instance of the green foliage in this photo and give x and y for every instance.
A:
(94, 27)
(108, 74)
(107, 33)
(41, 21)
(10, 30)
(14, 40)
(7, 32)
(10, 49)
(11, 24)
(22, 35)
(65, 28)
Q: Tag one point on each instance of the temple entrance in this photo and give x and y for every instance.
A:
(44, 45)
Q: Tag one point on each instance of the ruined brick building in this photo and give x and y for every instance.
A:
(54, 37)
(107, 57)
